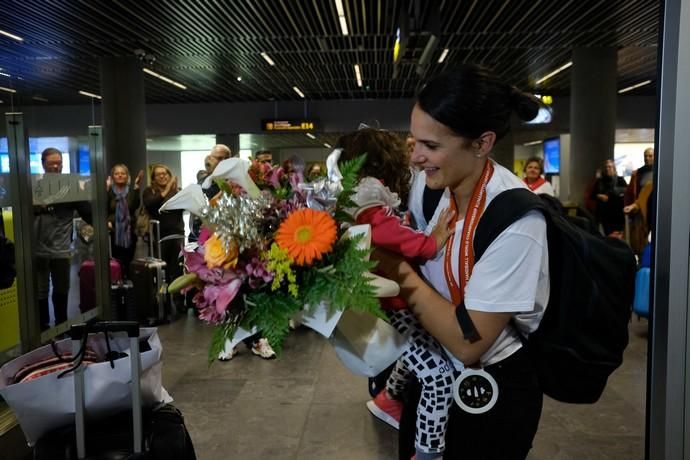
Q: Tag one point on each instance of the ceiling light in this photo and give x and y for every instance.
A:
(39, 99)
(9, 90)
(635, 86)
(5, 74)
(341, 16)
(311, 136)
(343, 25)
(12, 36)
(527, 144)
(443, 56)
(358, 75)
(165, 79)
(298, 91)
(239, 78)
(86, 93)
(268, 59)
(560, 69)
(326, 144)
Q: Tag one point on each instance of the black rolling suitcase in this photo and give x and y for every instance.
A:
(149, 282)
(150, 434)
(122, 303)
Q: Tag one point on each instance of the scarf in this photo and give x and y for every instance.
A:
(123, 228)
(536, 184)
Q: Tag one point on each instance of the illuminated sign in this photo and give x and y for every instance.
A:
(289, 125)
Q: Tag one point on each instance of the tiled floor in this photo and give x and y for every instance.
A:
(306, 405)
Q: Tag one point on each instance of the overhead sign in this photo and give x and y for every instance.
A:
(289, 125)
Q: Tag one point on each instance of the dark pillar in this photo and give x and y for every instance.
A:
(592, 115)
(124, 117)
(231, 140)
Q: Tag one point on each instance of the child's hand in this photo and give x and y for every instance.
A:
(443, 228)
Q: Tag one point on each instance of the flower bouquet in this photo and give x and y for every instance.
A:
(264, 256)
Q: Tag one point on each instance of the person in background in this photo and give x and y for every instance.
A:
(53, 227)
(163, 187)
(314, 172)
(608, 192)
(534, 171)
(640, 177)
(458, 118)
(639, 223)
(221, 152)
(123, 201)
(264, 156)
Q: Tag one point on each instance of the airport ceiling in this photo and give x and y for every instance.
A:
(206, 45)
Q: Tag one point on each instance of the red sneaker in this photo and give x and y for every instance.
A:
(386, 409)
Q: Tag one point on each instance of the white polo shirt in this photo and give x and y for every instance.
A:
(512, 274)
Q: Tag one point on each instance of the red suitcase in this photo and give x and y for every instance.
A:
(87, 282)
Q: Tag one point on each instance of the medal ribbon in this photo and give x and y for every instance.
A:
(472, 215)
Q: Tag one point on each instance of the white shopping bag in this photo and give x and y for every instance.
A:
(320, 318)
(47, 403)
(365, 344)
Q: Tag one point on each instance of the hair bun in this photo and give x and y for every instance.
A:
(525, 105)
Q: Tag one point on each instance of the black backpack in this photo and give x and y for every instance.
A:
(584, 331)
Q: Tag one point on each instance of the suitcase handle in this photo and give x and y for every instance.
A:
(81, 330)
(155, 224)
(77, 331)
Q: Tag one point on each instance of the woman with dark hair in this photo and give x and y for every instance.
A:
(534, 170)
(608, 192)
(163, 187)
(123, 201)
(458, 118)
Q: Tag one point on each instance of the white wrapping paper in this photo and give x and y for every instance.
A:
(47, 403)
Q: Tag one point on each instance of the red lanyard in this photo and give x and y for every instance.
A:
(474, 211)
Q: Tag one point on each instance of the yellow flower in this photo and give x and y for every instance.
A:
(216, 256)
(306, 235)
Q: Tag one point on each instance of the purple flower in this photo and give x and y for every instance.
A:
(204, 234)
(215, 300)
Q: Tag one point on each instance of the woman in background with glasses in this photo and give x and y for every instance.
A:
(163, 187)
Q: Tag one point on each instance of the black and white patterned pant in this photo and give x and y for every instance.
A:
(426, 359)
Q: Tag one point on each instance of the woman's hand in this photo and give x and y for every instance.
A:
(633, 208)
(137, 180)
(391, 265)
(396, 268)
(602, 197)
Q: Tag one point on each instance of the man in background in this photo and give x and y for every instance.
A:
(264, 156)
(638, 228)
(53, 225)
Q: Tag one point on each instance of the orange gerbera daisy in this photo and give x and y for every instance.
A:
(306, 235)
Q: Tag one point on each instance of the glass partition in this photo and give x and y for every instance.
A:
(61, 234)
(10, 340)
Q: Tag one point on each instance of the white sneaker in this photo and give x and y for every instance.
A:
(263, 349)
(227, 355)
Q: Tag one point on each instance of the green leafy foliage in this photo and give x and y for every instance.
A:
(350, 171)
(270, 312)
(221, 333)
(343, 284)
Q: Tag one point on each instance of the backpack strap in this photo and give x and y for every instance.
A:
(505, 209)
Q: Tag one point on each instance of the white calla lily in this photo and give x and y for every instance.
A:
(191, 198)
(236, 170)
